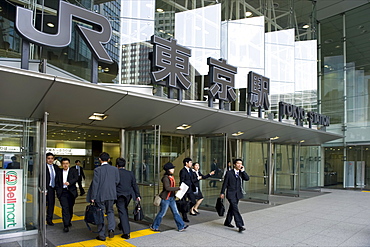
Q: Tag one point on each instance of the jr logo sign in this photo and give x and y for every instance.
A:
(67, 12)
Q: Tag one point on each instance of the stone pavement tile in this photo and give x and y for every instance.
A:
(272, 230)
(321, 240)
(297, 234)
(155, 240)
(358, 220)
(195, 236)
(275, 241)
(342, 231)
(323, 222)
(362, 238)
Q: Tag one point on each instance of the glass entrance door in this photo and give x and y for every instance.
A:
(142, 154)
(210, 152)
(309, 166)
(285, 170)
(255, 158)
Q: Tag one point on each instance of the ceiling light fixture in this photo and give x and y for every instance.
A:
(183, 127)
(237, 133)
(160, 10)
(248, 14)
(302, 141)
(49, 24)
(305, 26)
(274, 138)
(98, 116)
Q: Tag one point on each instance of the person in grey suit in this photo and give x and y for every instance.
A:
(233, 183)
(126, 187)
(103, 192)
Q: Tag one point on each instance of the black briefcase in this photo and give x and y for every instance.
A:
(138, 212)
(93, 215)
(220, 208)
(183, 205)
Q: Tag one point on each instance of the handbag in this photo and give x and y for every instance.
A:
(220, 208)
(93, 215)
(157, 200)
(138, 212)
(183, 205)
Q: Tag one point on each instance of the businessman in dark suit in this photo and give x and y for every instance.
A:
(233, 184)
(103, 192)
(51, 171)
(187, 177)
(126, 187)
(81, 175)
(65, 185)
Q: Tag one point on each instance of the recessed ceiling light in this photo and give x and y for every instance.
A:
(98, 116)
(305, 26)
(160, 10)
(237, 133)
(274, 138)
(183, 127)
(50, 24)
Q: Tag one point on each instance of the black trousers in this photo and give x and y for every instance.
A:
(79, 182)
(50, 203)
(67, 201)
(234, 212)
(122, 207)
(191, 198)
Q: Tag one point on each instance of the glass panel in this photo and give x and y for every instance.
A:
(18, 163)
(285, 181)
(141, 150)
(333, 169)
(255, 156)
(210, 152)
(309, 161)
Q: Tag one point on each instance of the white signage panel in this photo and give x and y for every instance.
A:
(11, 202)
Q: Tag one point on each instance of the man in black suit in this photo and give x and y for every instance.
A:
(14, 164)
(51, 171)
(233, 183)
(126, 187)
(81, 175)
(103, 192)
(65, 185)
(186, 176)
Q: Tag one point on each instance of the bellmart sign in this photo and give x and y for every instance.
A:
(11, 201)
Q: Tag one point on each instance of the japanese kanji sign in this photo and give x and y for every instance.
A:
(221, 81)
(173, 61)
(258, 91)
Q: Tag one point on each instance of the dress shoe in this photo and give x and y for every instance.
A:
(111, 233)
(196, 211)
(70, 224)
(125, 236)
(186, 220)
(65, 229)
(192, 214)
(50, 223)
(100, 238)
(229, 225)
(241, 229)
(82, 193)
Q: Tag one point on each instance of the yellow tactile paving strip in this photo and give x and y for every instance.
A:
(117, 241)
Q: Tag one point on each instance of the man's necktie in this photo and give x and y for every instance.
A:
(78, 168)
(52, 176)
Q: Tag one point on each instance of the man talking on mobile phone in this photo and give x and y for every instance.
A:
(233, 182)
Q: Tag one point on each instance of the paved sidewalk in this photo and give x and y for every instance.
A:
(338, 218)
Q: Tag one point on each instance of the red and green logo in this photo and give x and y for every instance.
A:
(11, 178)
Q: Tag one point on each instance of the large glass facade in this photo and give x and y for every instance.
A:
(344, 92)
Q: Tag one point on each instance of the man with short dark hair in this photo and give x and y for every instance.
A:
(186, 176)
(14, 164)
(51, 171)
(103, 192)
(65, 186)
(233, 183)
(126, 187)
(81, 175)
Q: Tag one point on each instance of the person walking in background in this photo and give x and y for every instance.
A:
(103, 192)
(228, 167)
(214, 168)
(198, 193)
(168, 200)
(186, 176)
(81, 175)
(14, 164)
(51, 171)
(233, 184)
(65, 186)
(125, 188)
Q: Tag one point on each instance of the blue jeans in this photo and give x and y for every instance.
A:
(162, 212)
